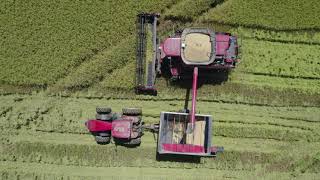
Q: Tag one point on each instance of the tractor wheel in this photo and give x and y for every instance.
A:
(104, 117)
(134, 142)
(103, 110)
(132, 111)
(102, 139)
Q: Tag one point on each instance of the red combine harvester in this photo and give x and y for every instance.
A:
(197, 50)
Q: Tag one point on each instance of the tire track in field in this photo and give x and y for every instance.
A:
(46, 171)
(236, 25)
(283, 41)
(308, 129)
(90, 155)
(168, 99)
(280, 76)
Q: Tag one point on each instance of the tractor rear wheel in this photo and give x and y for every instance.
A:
(132, 111)
(102, 139)
(103, 110)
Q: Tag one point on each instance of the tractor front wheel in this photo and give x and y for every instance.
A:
(102, 140)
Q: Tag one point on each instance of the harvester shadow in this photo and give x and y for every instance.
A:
(212, 77)
(204, 77)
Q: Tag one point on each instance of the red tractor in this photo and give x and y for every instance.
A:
(191, 51)
(125, 128)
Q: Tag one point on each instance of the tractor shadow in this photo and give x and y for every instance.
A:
(178, 158)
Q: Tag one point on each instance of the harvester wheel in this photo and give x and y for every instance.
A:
(132, 111)
(104, 117)
(103, 110)
(102, 139)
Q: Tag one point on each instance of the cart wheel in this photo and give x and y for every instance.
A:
(104, 117)
(103, 110)
(132, 111)
(102, 139)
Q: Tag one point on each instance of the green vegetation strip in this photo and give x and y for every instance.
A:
(43, 42)
(272, 14)
(278, 36)
(189, 10)
(280, 59)
(64, 149)
(14, 170)
(68, 115)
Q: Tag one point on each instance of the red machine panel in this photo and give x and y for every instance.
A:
(121, 128)
(172, 46)
(222, 44)
(98, 126)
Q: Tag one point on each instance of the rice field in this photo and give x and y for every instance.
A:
(62, 59)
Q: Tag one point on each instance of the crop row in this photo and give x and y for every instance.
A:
(43, 42)
(81, 150)
(119, 78)
(151, 108)
(273, 14)
(189, 10)
(84, 107)
(69, 115)
(87, 153)
(256, 80)
(100, 65)
(247, 92)
(303, 37)
(17, 170)
(280, 59)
